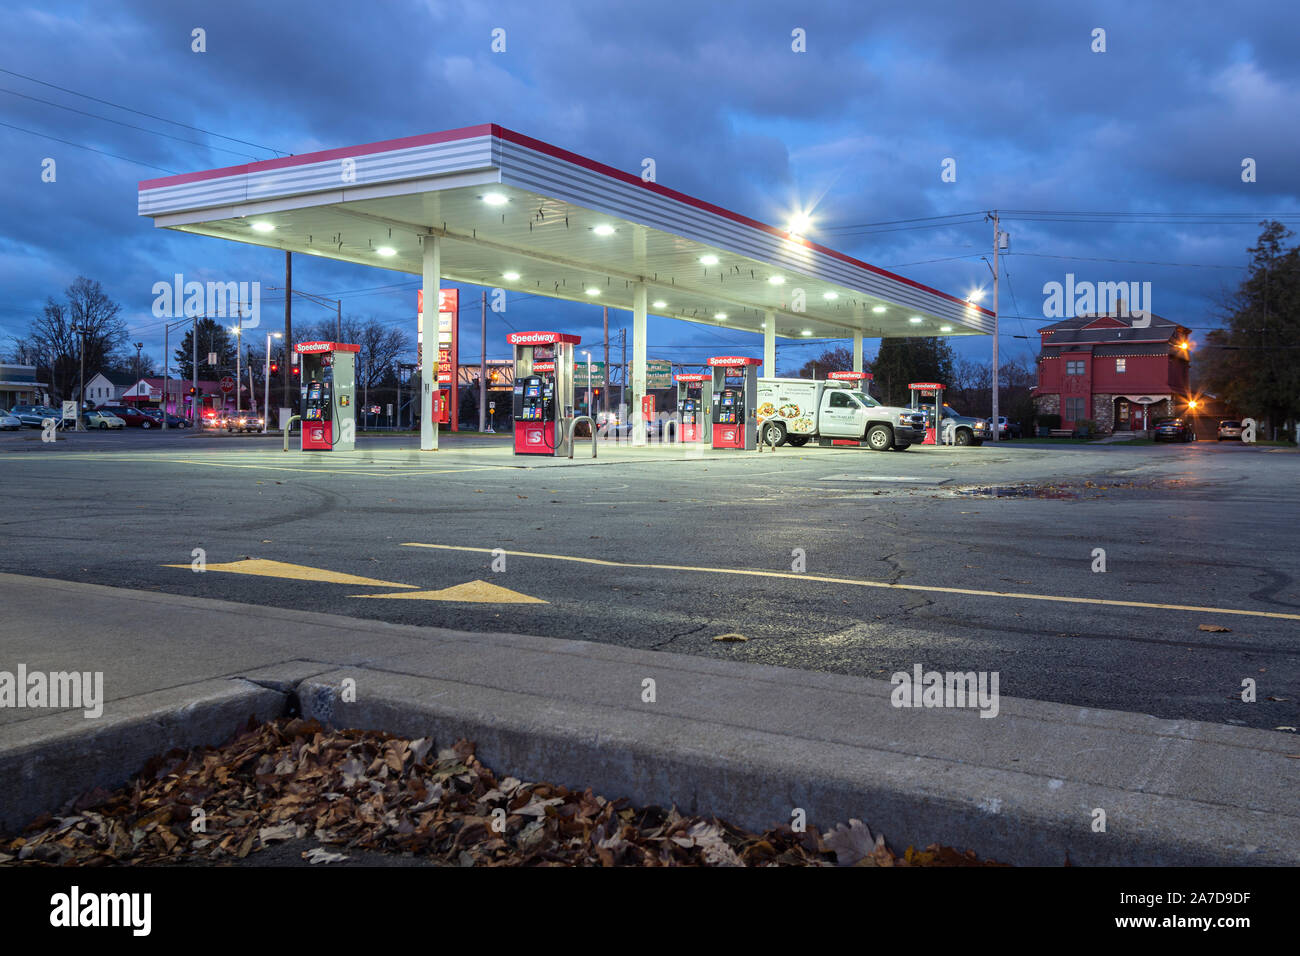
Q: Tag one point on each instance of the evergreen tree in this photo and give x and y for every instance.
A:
(213, 337)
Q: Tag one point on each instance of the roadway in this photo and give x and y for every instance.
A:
(838, 560)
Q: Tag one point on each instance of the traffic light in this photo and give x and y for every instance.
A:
(193, 390)
(295, 371)
(275, 367)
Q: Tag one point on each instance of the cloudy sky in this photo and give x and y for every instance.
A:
(1151, 133)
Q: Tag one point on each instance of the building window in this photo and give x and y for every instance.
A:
(1120, 365)
(1074, 367)
(1074, 409)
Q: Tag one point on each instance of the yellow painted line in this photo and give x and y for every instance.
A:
(858, 582)
(294, 572)
(473, 592)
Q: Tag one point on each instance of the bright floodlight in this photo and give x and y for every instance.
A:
(877, 309)
(593, 291)
(659, 304)
(720, 316)
(709, 260)
(386, 251)
(604, 229)
(263, 227)
(915, 320)
(495, 199)
(830, 296)
(510, 276)
(776, 280)
(945, 328)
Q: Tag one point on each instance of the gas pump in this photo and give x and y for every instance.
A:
(691, 407)
(328, 385)
(934, 392)
(734, 419)
(543, 391)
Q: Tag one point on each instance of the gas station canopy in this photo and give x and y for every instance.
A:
(516, 213)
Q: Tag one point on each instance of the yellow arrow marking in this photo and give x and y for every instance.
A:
(471, 592)
(295, 572)
(858, 582)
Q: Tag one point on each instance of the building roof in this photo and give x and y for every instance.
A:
(1095, 329)
(505, 203)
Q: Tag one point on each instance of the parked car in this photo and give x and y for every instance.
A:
(34, 415)
(173, 421)
(98, 418)
(966, 431)
(1229, 430)
(132, 416)
(1173, 429)
(9, 422)
(1007, 429)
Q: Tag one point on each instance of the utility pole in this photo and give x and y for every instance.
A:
(239, 356)
(482, 366)
(999, 242)
(286, 399)
(194, 370)
(80, 332)
(138, 347)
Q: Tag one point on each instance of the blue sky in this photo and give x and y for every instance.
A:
(1157, 126)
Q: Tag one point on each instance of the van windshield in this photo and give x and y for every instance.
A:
(865, 399)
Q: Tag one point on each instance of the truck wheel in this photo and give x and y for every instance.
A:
(797, 440)
(880, 437)
(964, 436)
(903, 447)
(772, 434)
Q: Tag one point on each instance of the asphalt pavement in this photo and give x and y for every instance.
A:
(835, 560)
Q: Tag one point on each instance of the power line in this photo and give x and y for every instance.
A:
(142, 129)
(68, 142)
(162, 119)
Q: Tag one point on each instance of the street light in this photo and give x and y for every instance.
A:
(266, 382)
(237, 329)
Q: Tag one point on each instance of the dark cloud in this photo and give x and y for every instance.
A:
(713, 92)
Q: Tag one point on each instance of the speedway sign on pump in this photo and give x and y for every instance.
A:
(691, 407)
(733, 418)
(543, 391)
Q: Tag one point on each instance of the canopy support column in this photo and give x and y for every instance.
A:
(429, 343)
(638, 363)
(769, 345)
(857, 351)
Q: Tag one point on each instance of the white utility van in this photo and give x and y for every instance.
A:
(794, 410)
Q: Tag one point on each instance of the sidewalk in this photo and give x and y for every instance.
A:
(746, 742)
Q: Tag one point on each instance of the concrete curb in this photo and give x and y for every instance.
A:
(756, 778)
(51, 760)
(748, 742)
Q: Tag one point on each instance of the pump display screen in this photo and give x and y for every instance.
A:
(534, 399)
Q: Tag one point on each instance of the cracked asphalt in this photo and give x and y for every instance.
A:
(810, 540)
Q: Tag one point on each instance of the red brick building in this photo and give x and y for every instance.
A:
(1101, 367)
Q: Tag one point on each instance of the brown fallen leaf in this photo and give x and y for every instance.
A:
(1214, 628)
(731, 638)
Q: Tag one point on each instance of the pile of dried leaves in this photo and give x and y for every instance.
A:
(293, 780)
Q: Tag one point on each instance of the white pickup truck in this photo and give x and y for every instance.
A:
(794, 410)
